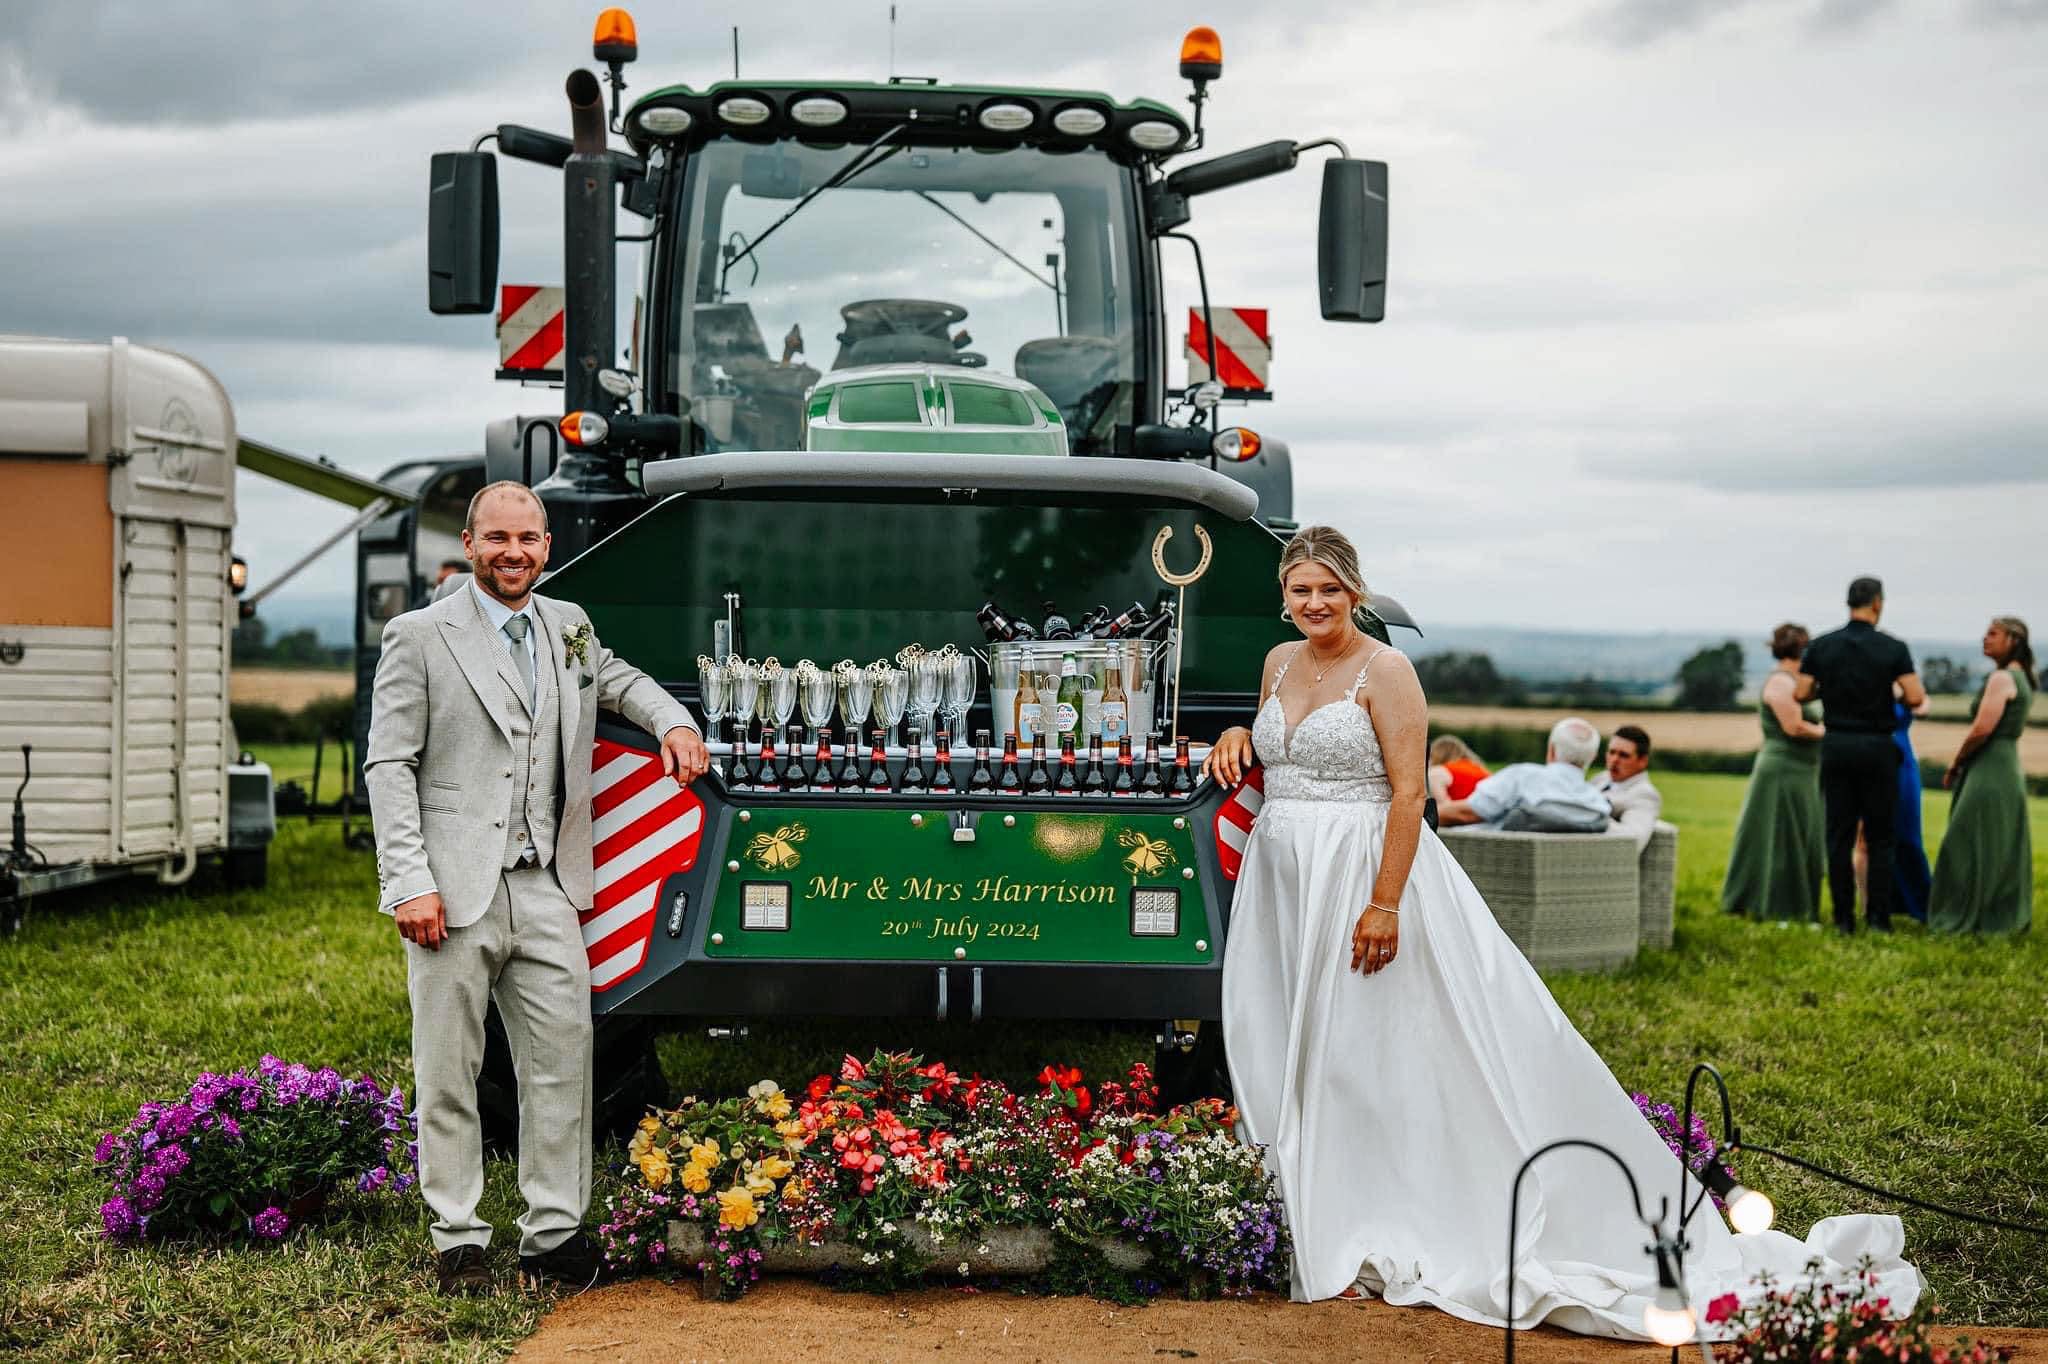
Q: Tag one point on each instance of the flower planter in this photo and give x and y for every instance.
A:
(1000, 1250)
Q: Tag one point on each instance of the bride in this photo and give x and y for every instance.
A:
(1397, 1056)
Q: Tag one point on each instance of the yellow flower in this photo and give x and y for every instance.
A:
(642, 1142)
(696, 1178)
(736, 1210)
(758, 1183)
(655, 1168)
(650, 1124)
(794, 1191)
(705, 1153)
(775, 1167)
(777, 1107)
(792, 1134)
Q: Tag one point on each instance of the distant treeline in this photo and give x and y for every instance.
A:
(260, 722)
(252, 646)
(1710, 680)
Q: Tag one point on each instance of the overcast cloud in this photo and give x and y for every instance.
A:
(1699, 307)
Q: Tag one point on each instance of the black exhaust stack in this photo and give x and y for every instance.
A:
(588, 496)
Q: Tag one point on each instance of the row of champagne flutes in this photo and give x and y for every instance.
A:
(925, 686)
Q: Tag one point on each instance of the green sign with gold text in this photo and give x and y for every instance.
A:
(1095, 885)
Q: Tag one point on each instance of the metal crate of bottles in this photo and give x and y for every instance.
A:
(1121, 687)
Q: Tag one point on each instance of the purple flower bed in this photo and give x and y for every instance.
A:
(251, 1153)
(1668, 1122)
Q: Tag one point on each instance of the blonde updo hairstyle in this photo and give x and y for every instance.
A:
(1331, 549)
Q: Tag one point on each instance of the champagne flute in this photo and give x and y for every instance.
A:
(819, 696)
(745, 686)
(926, 687)
(713, 687)
(782, 690)
(892, 693)
(962, 679)
(855, 696)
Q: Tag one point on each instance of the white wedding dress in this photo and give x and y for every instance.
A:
(1395, 1108)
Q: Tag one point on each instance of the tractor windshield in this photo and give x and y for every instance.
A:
(1018, 259)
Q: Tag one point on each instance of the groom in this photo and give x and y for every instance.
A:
(478, 770)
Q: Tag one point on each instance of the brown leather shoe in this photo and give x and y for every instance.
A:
(463, 1274)
(573, 1265)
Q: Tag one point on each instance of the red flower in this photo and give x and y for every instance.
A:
(851, 1070)
(819, 1088)
(1130, 1153)
(1722, 1308)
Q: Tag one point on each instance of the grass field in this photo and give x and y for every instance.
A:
(1908, 1061)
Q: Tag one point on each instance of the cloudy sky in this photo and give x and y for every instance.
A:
(1698, 307)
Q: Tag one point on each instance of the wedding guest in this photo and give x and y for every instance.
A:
(1853, 670)
(1454, 769)
(1984, 881)
(1775, 866)
(1547, 797)
(1633, 803)
(1909, 858)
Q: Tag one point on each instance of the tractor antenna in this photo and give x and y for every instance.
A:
(735, 51)
(892, 42)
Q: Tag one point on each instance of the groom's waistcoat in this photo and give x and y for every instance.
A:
(536, 805)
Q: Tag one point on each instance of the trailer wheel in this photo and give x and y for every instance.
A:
(628, 1082)
(1199, 1071)
(246, 868)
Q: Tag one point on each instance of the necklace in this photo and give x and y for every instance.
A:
(1341, 656)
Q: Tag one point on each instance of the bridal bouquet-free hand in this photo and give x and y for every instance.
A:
(892, 1157)
(249, 1152)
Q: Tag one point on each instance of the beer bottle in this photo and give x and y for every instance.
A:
(1159, 625)
(1153, 783)
(1056, 625)
(849, 775)
(1183, 779)
(793, 769)
(1132, 620)
(767, 777)
(942, 763)
(740, 775)
(1011, 782)
(1040, 780)
(1126, 783)
(913, 765)
(1095, 783)
(1067, 709)
(981, 780)
(821, 771)
(1091, 622)
(878, 763)
(1030, 712)
(1116, 705)
(1001, 627)
(1068, 783)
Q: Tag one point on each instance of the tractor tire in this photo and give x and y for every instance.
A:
(628, 1082)
(246, 868)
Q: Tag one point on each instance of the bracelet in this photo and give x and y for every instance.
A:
(1385, 909)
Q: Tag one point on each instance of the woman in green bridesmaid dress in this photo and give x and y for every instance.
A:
(1780, 852)
(1984, 879)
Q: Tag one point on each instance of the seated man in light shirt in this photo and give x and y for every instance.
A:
(1626, 784)
(1547, 797)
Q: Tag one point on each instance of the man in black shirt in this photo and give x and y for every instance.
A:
(1853, 670)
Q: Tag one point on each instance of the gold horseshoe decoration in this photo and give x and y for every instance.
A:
(1171, 578)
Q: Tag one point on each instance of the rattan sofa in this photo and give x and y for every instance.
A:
(1574, 902)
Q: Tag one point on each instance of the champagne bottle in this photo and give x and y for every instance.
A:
(981, 780)
(1040, 780)
(793, 768)
(1095, 783)
(1153, 783)
(1001, 627)
(1116, 705)
(821, 771)
(878, 763)
(767, 777)
(1030, 711)
(913, 778)
(1126, 783)
(1011, 783)
(1068, 783)
(1067, 709)
(1183, 779)
(942, 763)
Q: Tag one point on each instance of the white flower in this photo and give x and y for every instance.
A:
(963, 1269)
(762, 1091)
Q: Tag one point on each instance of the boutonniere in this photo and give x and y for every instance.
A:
(576, 644)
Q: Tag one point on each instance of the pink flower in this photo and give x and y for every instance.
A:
(1722, 1308)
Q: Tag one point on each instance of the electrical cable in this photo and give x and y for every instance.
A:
(1894, 1195)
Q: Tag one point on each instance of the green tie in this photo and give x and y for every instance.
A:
(515, 629)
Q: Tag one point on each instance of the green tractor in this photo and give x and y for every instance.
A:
(987, 422)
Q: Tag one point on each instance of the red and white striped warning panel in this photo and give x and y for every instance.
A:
(529, 332)
(1234, 820)
(1244, 348)
(644, 829)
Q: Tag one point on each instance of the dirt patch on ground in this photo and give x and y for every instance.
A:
(290, 688)
(648, 1320)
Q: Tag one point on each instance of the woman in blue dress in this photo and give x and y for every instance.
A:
(1909, 854)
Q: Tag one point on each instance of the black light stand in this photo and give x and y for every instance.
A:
(1671, 1297)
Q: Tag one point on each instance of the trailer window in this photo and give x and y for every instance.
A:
(1017, 259)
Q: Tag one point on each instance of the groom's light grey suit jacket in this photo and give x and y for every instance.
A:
(440, 767)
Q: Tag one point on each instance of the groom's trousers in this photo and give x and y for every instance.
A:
(527, 953)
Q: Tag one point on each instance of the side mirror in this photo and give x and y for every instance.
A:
(1351, 241)
(462, 233)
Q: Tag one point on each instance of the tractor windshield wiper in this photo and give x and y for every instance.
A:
(874, 154)
(987, 240)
